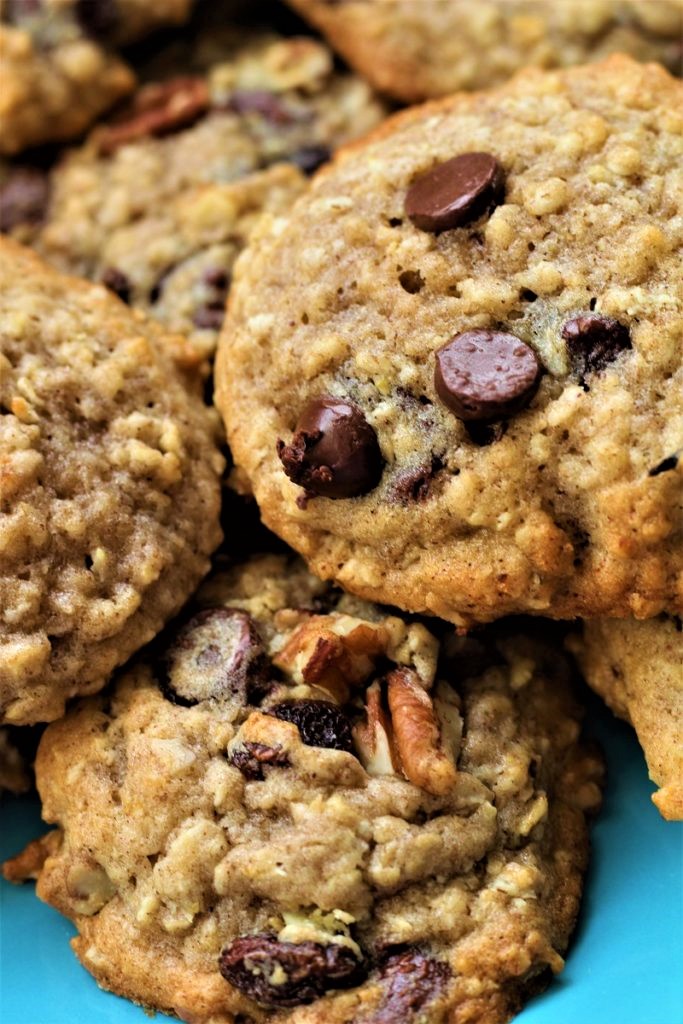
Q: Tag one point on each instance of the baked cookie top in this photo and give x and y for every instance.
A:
(109, 484)
(158, 203)
(58, 69)
(417, 49)
(453, 374)
(638, 668)
(308, 809)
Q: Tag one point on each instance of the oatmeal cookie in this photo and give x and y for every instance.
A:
(59, 72)
(307, 809)
(637, 667)
(416, 49)
(109, 484)
(453, 374)
(159, 202)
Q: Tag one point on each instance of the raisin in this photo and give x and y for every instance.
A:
(411, 981)
(217, 653)
(320, 722)
(24, 197)
(252, 758)
(300, 972)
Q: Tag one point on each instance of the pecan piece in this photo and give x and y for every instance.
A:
(157, 109)
(426, 759)
(333, 652)
(374, 739)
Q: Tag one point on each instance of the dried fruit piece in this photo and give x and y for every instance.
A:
(157, 109)
(412, 981)
(218, 653)
(287, 974)
(426, 759)
(252, 758)
(24, 198)
(320, 723)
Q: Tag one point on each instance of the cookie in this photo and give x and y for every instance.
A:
(453, 374)
(159, 202)
(289, 814)
(59, 71)
(110, 484)
(417, 49)
(14, 775)
(637, 667)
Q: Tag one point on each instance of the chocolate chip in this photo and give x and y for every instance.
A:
(456, 192)
(309, 158)
(252, 758)
(23, 198)
(217, 653)
(301, 972)
(666, 465)
(486, 375)
(258, 101)
(216, 277)
(411, 281)
(413, 485)
(97, 18)
(411, 981)
(320, 723)
(593, 341)
(209, 316)
(117, 282)
(334, 452)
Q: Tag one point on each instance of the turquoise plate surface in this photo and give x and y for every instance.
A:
(625, 965)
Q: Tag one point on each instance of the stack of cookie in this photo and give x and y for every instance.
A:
(342, 785)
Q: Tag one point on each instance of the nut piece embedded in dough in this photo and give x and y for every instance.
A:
(426, 761)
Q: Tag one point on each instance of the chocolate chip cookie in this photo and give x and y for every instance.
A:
(159, 202)
(59, 71)
(109, 484)
(638, 668)
(416, 49)
(304, 808)
(453, 374)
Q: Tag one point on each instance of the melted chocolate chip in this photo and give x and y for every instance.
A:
(252, 758)
(593, 341)
(666, 465)
(97, 18)
(23, 198)
(486, 375)
(320, 723)
(334, 452)
(456, 192)
(304, 970)
(212, 312)
(413, 485)
(117, 282)
(411, 981)
(218, 653)
(309, 158)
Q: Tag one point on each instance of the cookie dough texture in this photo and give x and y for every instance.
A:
(109, 484)
(572, 506)
(417, 49)
(637, 667)
(168, 853)
(158, 203)
(59, 72)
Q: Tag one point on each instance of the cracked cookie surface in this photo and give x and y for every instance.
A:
(417, 49)
(305, 808)
(159, 202)
(59, 72)
(637, 667)
(109, 484)
(513, 349)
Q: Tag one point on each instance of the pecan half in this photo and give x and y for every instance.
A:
(333, 652)
(157, 109)
(426, 759)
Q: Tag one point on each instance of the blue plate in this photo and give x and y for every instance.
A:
(625, 967)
